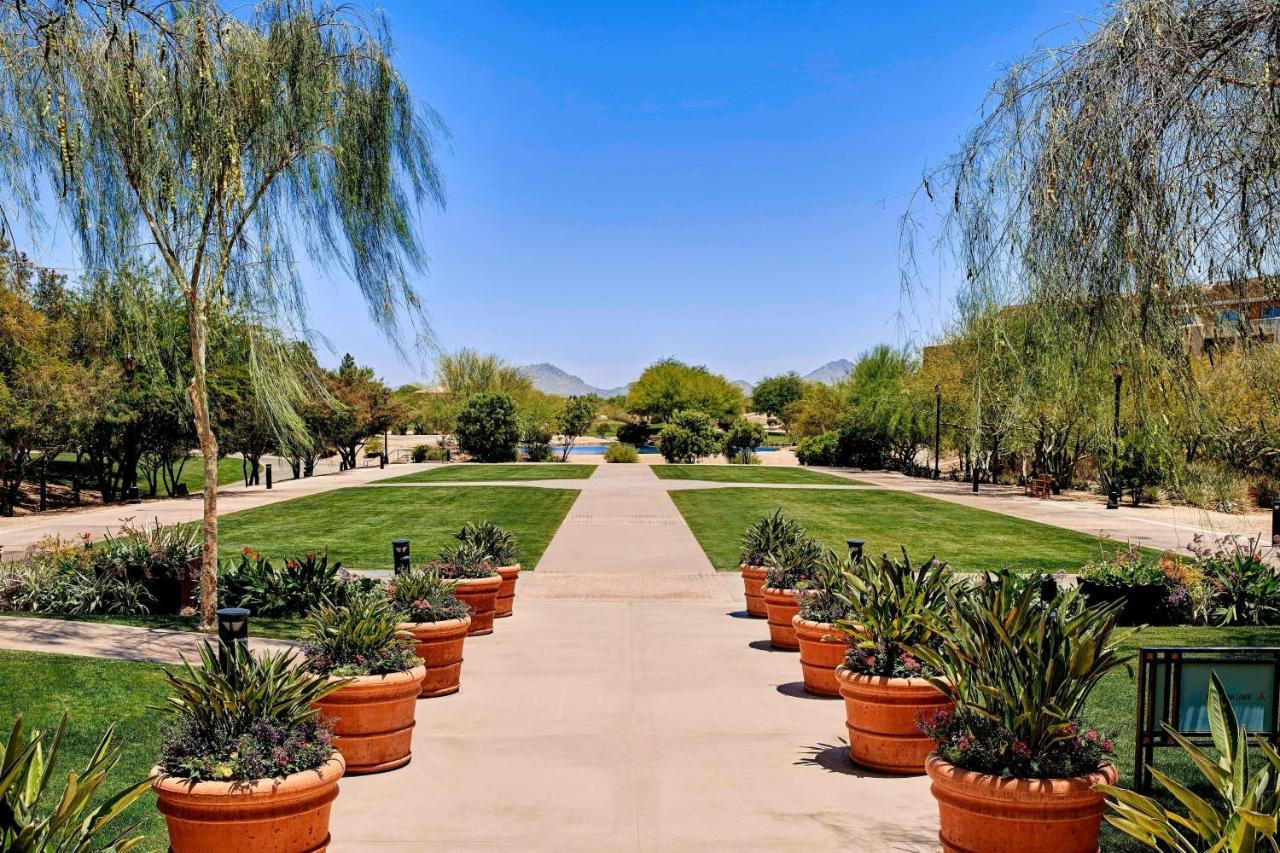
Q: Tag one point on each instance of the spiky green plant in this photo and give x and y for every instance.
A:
(833, 594)
(71, 826)
(493, 540)
(360, 638)
(768, 535)
(794, 565)
(426, 596)
(1244, 811)
(894, 607)
(464, 560)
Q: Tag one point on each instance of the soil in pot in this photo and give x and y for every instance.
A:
(289, 815)
(782, 605)
(822, 649)
(882, 715)
(374, 720)
(752, 584)
(506, 602)
(481, 595)
(990, 814)
(439, 644)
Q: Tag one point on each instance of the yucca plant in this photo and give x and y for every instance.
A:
(493, 540)
(251, 717)
(894, 608)
(1019, 670)
(795, 565)
(768, 536)
(27, 823)
(832, 598)
(360, 638)
(1242, 816)
(464, 560)
(426, 596)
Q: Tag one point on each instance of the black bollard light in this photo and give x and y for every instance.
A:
(233, 631)
(268, 475)
(400, 555)
(855, 549)
(1275, 522)
(1048, 589)
(382, 460)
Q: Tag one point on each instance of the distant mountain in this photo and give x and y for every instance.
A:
(831, 372)
(746, 386)
(550, 379)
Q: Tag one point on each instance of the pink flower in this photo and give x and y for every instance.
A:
(1021, 749)
(1108, 746)
(869, 661)
(964, 743)
(1091, 735)
(909, 663)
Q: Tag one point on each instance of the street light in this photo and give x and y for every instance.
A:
(1113, 492)
(129, 484)
(937, 429)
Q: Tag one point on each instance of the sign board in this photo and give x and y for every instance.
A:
(1173, 689)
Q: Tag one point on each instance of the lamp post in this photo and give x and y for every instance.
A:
(937, 429)
(400, 555)
(233, 633)
(129, 476)
(1113, 492)
(386, 448)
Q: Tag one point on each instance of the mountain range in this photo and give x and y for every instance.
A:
(550, 379)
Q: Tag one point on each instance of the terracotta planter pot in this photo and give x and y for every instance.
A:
(782, 605)
(752, 583)
(374, 719)
(882, 715)
(481, 595)
(822, 649)
(507, 590)
(986, 813)
(289, 815)
(439, 644)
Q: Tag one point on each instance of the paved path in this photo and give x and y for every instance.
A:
(94, 639)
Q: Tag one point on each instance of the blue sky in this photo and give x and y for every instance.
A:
(718, 181)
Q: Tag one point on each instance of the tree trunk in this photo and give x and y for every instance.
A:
(199, 392)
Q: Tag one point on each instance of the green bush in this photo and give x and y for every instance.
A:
(302, 585)
(768, 536)
(620, 452)
(490, 539)
(426, 596)
(741, 439)
(818, 449)
(360, 638)
(420, 451)
(487, 428)
(635, 434)
(688, 437)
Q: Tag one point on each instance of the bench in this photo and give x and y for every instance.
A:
(1040, 487)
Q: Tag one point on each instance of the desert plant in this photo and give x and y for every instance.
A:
(620, 452)
(360, 638)
(1244, 808)
(795, 564)
(1246, 589)
(419, 452)
(894, 609)
(302, 585)
(464, 560)
(253, 717)
(149, 551)
(1019, 670)
(766, 536)
(34, 818)
(426, 596)
(492, 540)
(832, 595)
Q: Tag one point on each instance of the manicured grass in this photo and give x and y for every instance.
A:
(95, 693)
(970, 539)
(62, 470)
(357, 524)
(468, 472)
(750, 474)
(273, 627)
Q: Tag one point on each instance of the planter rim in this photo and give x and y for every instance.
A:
(829, 627)
(465, 582)
(440, 625)
(417, 673)
(513, 567)
(1007, 787)
(295, 783)
(845, 674)
(788, 591)
(751, 567)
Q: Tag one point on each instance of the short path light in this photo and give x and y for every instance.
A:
(268, 475)
(855, 549)
(400, 555)
(233, 630)
(1275, 522)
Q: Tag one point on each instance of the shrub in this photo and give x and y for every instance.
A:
(818, 449)
(619, 452)
(741, 439)
(373, 447)
(1246, 589)
(426, 596)
(146, 553)
(860, 447)
(55, 578)
(34, 818)
(1019, 670)
(635, 434)
(251, 719)
(1214, 487)
(795, 565)
(831, 600)
(360, 638)
(487, 428)
(688, 437)
(490, 539)
(767, 536)
(894, 610)
(419, 452)
(1138, 581)
(463, 561)
(301, 586)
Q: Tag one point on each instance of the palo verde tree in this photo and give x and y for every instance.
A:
(217, 144)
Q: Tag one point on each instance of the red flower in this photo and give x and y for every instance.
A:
(1021, 749)
(1108, 746)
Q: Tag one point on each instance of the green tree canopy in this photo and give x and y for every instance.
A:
(669, 385)
(774, 394)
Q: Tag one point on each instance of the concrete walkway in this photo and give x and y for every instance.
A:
(95, 639)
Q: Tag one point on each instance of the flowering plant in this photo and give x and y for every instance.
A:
(464, 561)
(895, 608)
(985, 746)
(426, 596)
(361, 638)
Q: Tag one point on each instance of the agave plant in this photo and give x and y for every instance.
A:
(1246, 807)
(26, 771)
(833, 594)
(794, 565)
(894, 608)
(493, 540)
(360, 638)
(768, 536)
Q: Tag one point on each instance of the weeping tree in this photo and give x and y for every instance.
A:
(1116, 184)
(218, 145)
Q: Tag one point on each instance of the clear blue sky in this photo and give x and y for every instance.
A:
(718, 181)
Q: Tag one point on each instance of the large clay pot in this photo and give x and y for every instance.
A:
(752, 583)
(883, 715)
(980, 813)
(481, 595)
(506, 590)
(782, 605)
(374, 719)
(289, 815)
(439, 644)
(822, 649)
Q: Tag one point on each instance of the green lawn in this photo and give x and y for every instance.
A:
(468, 472)
(969, 539)
(357, 524)
(62, 470)
(749, 474)
(94, 692)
